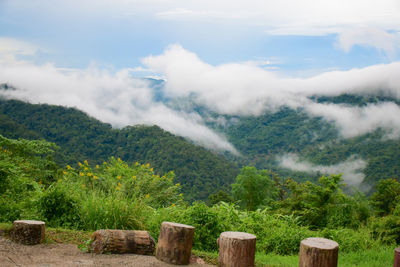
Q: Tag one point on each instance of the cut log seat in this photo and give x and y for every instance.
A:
(122, 241)
(175, 243)
(236, 249)
(318, 252)
(28, 232)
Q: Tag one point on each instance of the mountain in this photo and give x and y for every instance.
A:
(262, 140)
(81, 137)
(287, 141)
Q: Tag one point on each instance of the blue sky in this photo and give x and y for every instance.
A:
(296, 37)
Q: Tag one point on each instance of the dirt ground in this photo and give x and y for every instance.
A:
(49, 255)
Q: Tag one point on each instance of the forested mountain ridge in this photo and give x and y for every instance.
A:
(263, 139)
(199, 171)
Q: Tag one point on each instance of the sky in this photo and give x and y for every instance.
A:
(235, 57)
(294, 36)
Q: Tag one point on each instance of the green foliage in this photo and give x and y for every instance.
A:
(275, 233)
(351, 240)
(111, 195)
(24, 165)
(208, 226)
(324, 204)
(208, 223)
(199, 171)
(261, 138)
(118, 195)
(59, 206)
(220, 196)
(286, 130)
(377, 257)
(112, 212)
(253, 188)
(386, 196)
(386, 229)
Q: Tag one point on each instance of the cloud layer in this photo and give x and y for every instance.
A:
(116, 98)
(385, 42)
(351, 169)
(305, 17)
(232, 88)
(246, 89)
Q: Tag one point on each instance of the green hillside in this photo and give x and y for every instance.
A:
(260, 139)
(81, 137)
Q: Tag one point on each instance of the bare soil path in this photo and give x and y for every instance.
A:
(51, 255)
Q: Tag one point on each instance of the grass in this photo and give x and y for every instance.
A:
(57, 235)
(5, 227)
(381, 257)
(369, 258)
(274, 260)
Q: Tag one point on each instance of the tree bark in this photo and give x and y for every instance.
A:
(318, 252)
(396, 262)
(175, 243)
(236, 249)
(122, 241)
(28, 232)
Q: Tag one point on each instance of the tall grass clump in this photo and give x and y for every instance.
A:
(114, 195)
(112, 212)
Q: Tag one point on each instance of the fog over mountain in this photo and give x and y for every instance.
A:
(238, 88)
(351, 169)
(232, 88)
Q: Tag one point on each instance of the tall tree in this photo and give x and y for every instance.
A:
(253, 188)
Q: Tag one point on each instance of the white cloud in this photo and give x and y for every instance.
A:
(305, 17)
(116, 98)
(228, 88)
(351, 169)
(248, 89)
(355, 121)
(233, 88)
(370, 36)
(11, 48)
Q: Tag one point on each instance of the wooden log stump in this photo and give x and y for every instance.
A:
(318, 252)
(122, 241)
(396, 262)
(236, 249)
(175, 243)
(28, 232)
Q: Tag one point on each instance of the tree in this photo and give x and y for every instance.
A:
(324, 204)
(386, 196)
(220, 196)
(253, 188)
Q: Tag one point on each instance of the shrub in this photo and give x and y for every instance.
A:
(59, 206)
(350, 240)
(386, 229)
(275, 233)
(208, 226)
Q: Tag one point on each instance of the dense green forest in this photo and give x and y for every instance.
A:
(79, 137)
(260, 139)
(120, 195)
